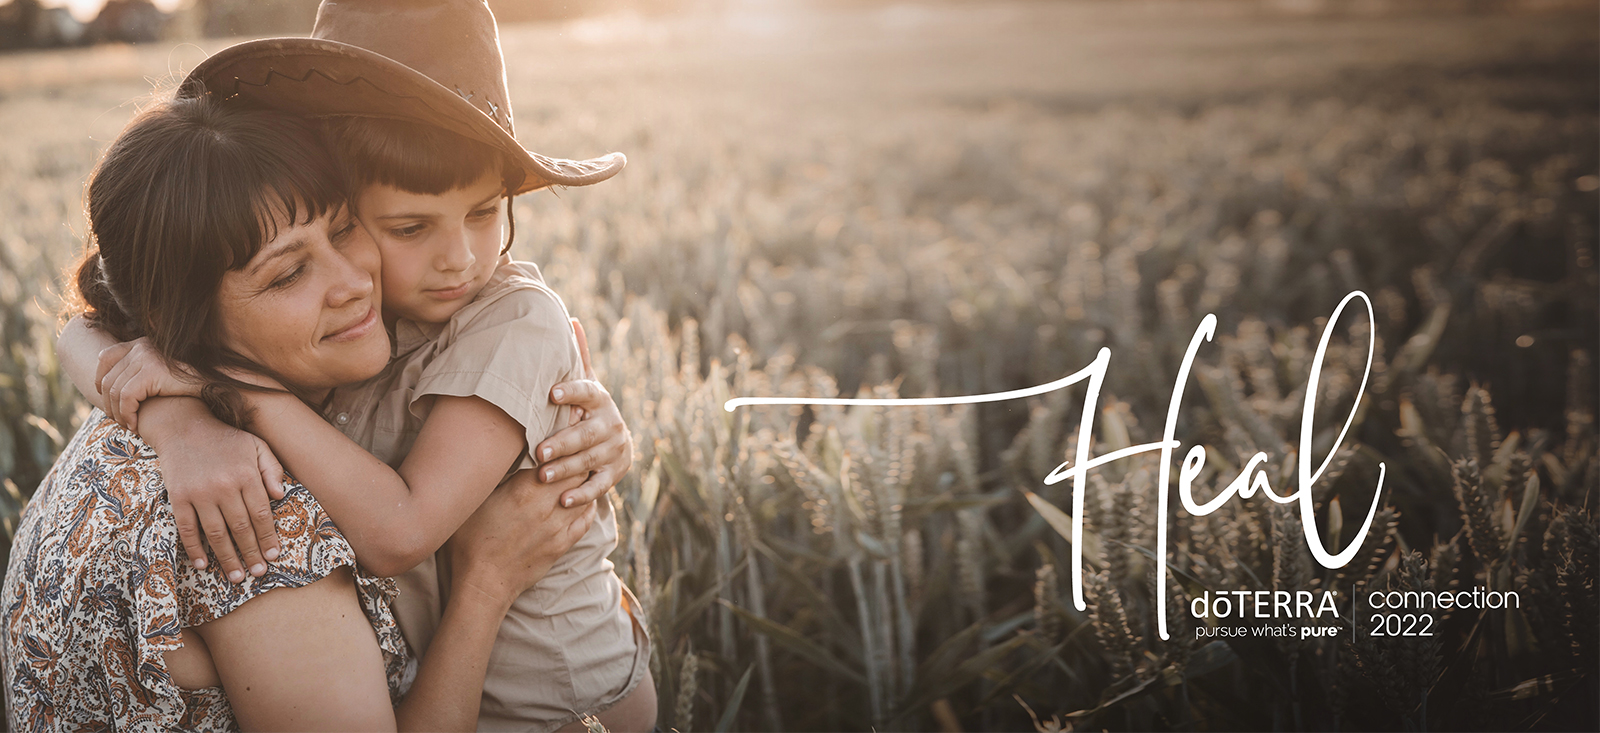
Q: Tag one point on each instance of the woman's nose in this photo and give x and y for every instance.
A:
(352, 280)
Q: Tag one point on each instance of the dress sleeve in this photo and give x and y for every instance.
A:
(311, 548)
(100, 588)
(510, 353)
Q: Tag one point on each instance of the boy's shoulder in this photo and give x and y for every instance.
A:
(512, 277)
(515, 291)
(515, 312)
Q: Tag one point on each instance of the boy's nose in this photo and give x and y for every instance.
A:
(456, 254)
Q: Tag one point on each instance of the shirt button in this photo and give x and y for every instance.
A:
(343, 418)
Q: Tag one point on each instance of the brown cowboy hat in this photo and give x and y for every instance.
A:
(436, 62)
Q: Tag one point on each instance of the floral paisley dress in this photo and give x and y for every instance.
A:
(99, 586)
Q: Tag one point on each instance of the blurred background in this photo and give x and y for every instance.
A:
(58, 23)
(837, 197)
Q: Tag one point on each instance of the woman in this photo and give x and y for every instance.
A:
(106, 623)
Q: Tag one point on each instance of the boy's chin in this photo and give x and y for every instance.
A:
(428, 312)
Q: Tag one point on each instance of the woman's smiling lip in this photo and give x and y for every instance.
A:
(355, 330)
(450, 293)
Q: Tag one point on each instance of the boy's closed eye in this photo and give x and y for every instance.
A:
(408, 231)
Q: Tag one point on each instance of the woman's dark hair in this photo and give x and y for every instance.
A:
(190, 190)
(418, 158)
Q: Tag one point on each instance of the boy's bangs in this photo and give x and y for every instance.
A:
(409, 156)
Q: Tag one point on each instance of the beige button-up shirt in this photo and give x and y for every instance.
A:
(574, 642)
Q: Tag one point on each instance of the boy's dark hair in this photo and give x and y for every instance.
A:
(418, 158)
(187, 192)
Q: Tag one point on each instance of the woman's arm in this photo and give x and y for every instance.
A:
(307, 658)
(302, 659)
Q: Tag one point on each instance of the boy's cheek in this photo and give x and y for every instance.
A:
(398, 284)
(398, 301)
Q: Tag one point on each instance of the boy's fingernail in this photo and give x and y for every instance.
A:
(258, 570)
(236, 576)
(557, 393)
(547, 452)
(272, 553)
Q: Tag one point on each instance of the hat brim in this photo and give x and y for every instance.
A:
(316, 77)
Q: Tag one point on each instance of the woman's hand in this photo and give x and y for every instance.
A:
(220, 481)
(133, 371)
(513, 539)
(597, 444)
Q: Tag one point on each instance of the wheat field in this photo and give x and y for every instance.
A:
(843, 199)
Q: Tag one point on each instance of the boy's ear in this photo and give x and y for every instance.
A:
(514, 176)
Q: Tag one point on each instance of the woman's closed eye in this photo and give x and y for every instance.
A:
(287, 278)
(343, 232)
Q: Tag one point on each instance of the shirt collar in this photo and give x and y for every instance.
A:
(410, 335)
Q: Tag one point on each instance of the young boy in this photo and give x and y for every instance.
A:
(478, 341)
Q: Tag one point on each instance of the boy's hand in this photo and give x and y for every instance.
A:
(598, 443)
(131, 372)
(220, 482)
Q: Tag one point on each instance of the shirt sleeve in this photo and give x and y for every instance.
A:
(509, 352)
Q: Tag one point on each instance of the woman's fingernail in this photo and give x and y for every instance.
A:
(272, 553)
(547, 452)
(567, 502)
(258, 570)
(557, 393)
(550, 475)
(236, 576)
(199, 563)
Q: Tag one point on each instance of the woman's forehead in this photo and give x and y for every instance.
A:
(278, 212)
(287, 226)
